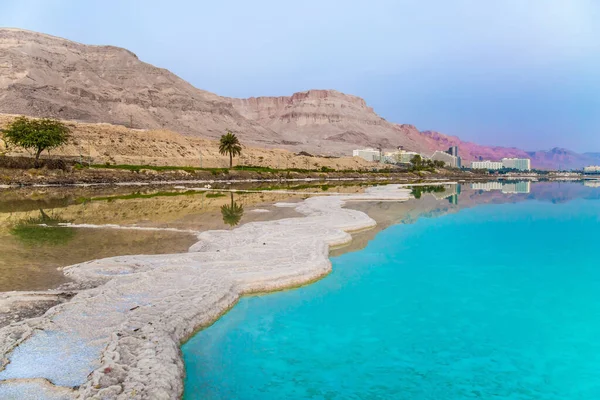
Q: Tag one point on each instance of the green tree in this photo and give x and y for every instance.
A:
(37, 135)
(232, 213)
(230, 144)
(417, 161)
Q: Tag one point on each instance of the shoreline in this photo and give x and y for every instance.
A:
(124, 335)
(115, 176)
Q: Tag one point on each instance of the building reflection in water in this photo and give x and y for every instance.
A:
(505, 187)
(450, 192)
(592, 183)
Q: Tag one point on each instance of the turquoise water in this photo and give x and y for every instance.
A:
(493, 302)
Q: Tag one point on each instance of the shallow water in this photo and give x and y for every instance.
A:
(30, 254)
(491, 295)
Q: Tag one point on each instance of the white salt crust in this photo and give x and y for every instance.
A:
(121, 339)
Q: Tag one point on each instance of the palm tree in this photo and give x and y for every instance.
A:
(230, 145)
(232, 214)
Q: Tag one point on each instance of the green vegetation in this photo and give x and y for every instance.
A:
(36, 135)
(232, 213)
(417, 191)
(229, 144)
(419, 164)
(214, 195)
(42, 230)
(217, 171)
(138, 168)
(139, 195)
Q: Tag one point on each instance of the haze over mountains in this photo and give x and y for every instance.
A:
(46, 76)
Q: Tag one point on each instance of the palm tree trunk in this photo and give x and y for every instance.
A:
(230, 160)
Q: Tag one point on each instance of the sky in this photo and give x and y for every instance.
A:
(522, 73)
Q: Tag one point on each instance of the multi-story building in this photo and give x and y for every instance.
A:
(453, 151)
(521, 164)
(447, 158)
(592, 169)
(367, 154)
(487, 164)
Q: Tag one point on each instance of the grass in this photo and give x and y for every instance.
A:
(138, 168)
(139, 195)
(216, 171)
(213, 195)
(31, 233)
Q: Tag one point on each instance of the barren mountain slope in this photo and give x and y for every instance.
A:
(46, 76)
(327, 122)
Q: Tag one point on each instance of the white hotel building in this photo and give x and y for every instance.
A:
(521, 164)
(487, 164)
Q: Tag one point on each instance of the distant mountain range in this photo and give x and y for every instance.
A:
(46, 76)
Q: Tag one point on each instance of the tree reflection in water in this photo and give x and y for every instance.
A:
(232, 213)
(42, 230)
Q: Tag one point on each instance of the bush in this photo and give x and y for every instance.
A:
(29, 163)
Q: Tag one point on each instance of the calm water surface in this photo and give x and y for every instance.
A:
(30, 254)
(483, 294)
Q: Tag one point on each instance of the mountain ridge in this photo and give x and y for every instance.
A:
(47, 76)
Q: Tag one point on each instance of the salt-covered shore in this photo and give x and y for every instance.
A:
(121, 339)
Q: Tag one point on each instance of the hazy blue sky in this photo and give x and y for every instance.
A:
(509, 72)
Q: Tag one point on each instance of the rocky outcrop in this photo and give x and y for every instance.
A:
(326, 122)
(46, 76)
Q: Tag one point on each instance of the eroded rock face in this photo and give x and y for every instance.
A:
(327, 122)
(46, 76)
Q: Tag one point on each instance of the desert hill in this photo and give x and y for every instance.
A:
(115, 144)
(46, 76)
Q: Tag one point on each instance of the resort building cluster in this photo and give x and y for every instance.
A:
(592, 169)
(450, 158)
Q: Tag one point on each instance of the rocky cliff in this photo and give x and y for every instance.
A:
(46, 76)
(327, 121)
